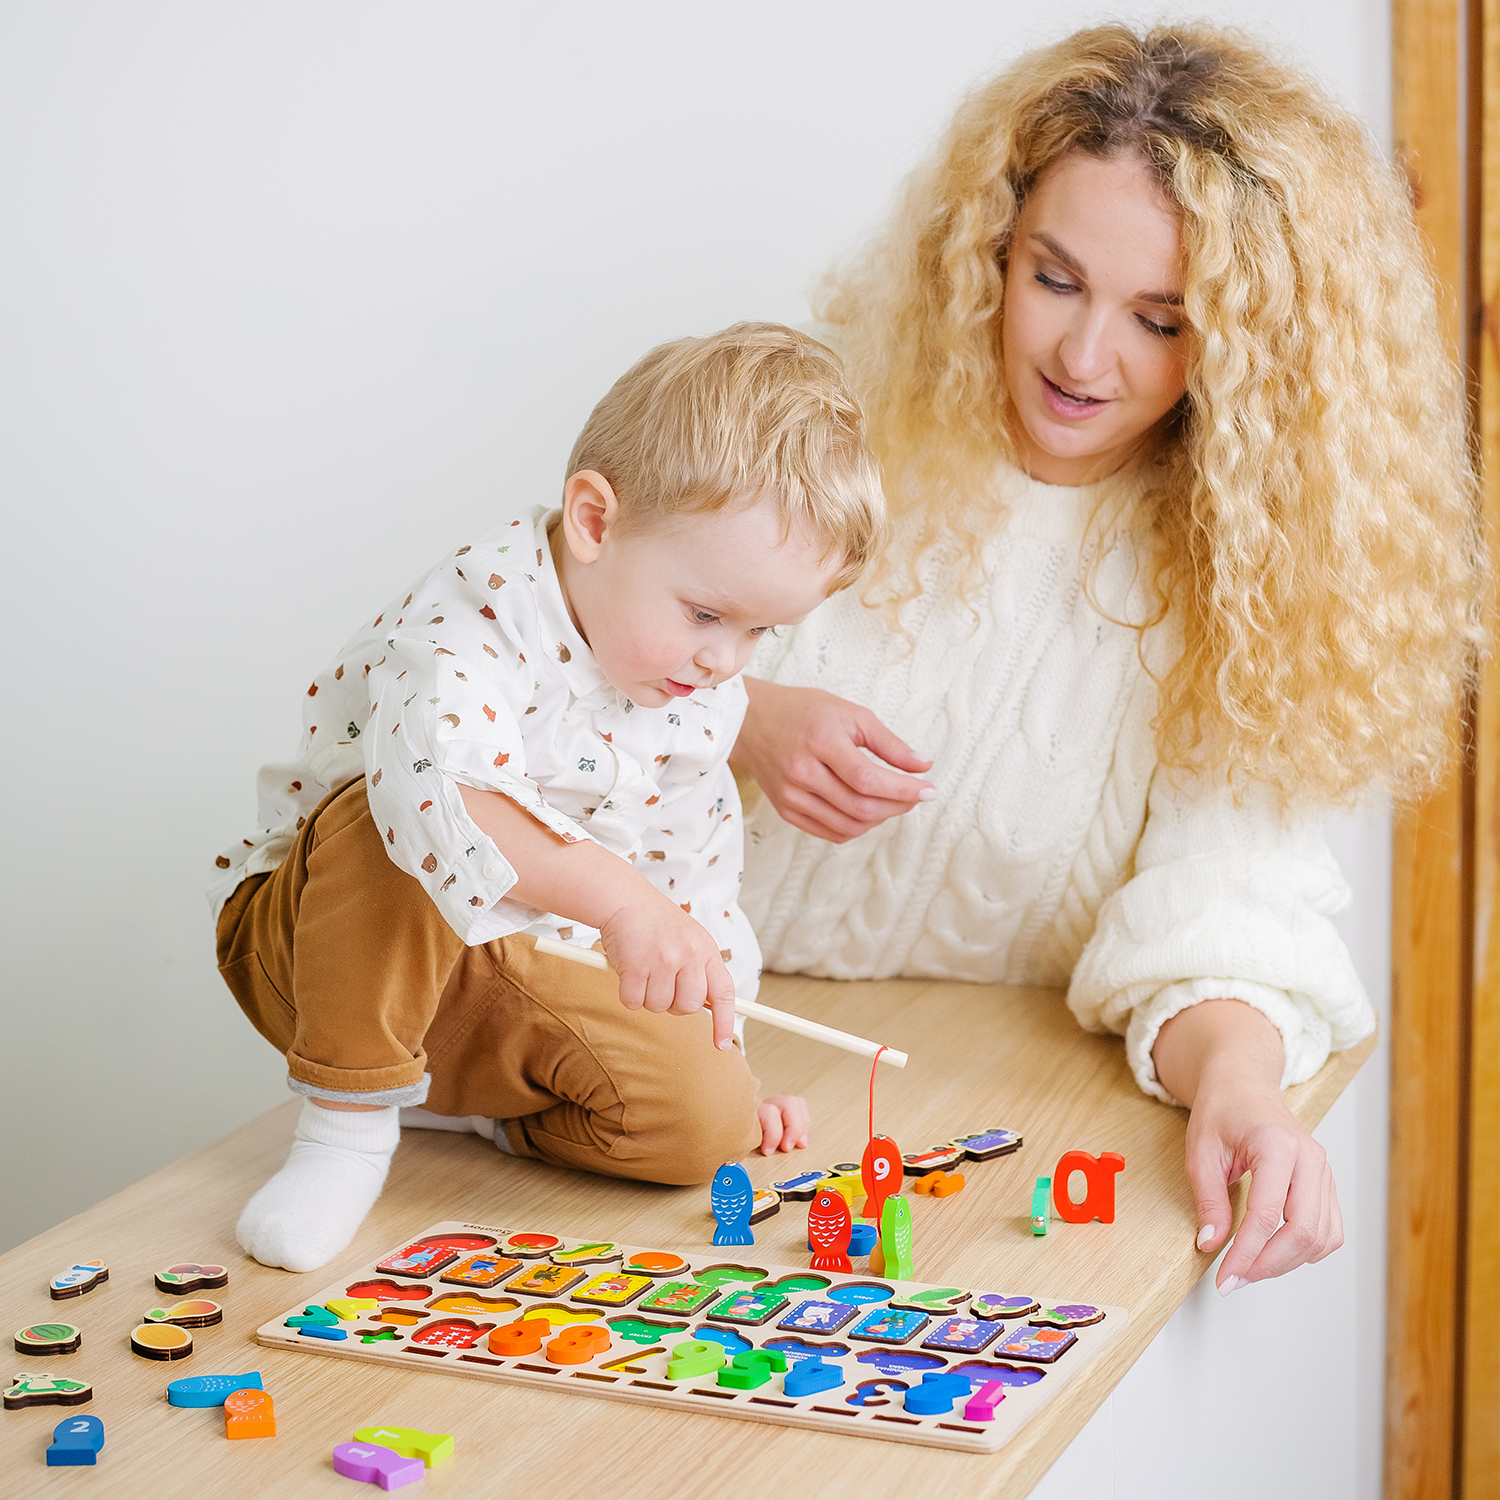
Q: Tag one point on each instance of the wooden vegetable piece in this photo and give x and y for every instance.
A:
(249, 1414)
(1068, 1315)
(75, 1440)
(655, 1263)
(592, 1252)
(79, 1278)
(432, 1448)
(376, 1465)
(999, 1305)
(189, 1276)
(48, 1338)
(161, 1341)
(198, 1313)
(731, 1197)
(1099, 1201)
(46, 1390)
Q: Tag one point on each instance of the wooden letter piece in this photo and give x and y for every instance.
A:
(1099, 1201)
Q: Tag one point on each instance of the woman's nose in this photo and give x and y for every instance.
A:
(1086, 351)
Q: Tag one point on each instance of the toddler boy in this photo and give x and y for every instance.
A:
(533, 741)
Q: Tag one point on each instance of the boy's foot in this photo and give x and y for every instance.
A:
(311, 1208)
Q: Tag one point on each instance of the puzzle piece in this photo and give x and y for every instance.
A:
(75, 1440)
(249, 1414)
(82, 1277)
(432, 1448)
(43, 1390)
(376, 1465)
(189, 1276)
(211, 1390)
(809, 1376)
(48, 1338)
(980, 1407)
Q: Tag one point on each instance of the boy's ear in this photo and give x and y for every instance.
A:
(589, 510)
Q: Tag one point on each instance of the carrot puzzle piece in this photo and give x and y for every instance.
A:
(410, 1442)
(249, 1414)
(1099, 1201)
(829, 1226)
(376, 1465)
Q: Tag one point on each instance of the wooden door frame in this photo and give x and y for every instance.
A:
(1443, 1270)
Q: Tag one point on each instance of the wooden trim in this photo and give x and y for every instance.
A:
(1431, 955)
(1480, 1425)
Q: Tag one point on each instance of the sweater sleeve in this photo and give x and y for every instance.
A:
(1231, 901)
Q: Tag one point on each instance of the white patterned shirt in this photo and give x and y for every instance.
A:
(477, 676)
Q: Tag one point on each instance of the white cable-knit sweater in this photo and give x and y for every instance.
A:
(1057, 852)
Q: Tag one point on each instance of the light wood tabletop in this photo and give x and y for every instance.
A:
(981, 1056)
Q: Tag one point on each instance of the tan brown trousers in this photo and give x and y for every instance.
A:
(342, 962)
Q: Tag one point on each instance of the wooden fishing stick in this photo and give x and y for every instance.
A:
(750, 1008)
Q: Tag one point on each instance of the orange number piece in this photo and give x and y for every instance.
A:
(1099, 1201)
(521, 1337)
(578, 1344)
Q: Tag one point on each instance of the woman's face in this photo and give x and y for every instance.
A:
(1093, 336)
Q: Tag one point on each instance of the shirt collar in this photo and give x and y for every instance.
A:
(579, 671)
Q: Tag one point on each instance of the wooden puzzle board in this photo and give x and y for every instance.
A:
(635, 1368)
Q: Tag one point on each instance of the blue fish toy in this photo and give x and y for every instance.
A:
(210, 1390)
(731, 1197)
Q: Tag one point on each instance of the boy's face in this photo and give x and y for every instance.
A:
(673, 608)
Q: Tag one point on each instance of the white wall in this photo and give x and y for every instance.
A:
(291, 295)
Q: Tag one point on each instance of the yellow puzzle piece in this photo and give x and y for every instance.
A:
(350, 1309)
(431, 1447)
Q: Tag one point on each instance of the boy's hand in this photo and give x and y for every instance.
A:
(668, 962)
(784, 1123)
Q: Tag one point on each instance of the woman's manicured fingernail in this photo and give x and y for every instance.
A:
(927, 794)
(1205, 1235)
(726, 1043)
(1232, 1285)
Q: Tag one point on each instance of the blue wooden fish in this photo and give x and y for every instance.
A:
(731, 1197)
(77, 1440)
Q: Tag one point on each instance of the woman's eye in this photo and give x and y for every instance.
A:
(1054, 286)
(1166, 330)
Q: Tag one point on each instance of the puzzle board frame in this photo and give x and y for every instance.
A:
(828, 1411)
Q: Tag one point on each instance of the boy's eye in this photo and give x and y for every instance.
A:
(703, 617)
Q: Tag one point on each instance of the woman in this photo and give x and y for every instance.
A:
(1186, 555)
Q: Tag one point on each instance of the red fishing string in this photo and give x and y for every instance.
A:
(873, 1066)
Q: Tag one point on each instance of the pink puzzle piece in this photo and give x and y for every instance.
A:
(980, 1407)
(376, 1465)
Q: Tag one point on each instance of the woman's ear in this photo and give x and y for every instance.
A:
(589, 510)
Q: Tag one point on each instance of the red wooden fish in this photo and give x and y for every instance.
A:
(880, 1170)
(828, 1229)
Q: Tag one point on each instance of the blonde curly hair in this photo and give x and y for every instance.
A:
(1313, 501)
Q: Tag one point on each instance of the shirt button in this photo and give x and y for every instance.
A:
(491, 869)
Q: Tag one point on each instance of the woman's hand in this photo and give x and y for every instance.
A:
(805, 749)
(784, 1123)
(1224, 1060)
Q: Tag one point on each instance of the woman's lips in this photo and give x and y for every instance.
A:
(1069, 408)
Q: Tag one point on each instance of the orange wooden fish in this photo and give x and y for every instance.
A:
(829, 1226)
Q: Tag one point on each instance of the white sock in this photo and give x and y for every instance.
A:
(414, 1117)
(311, 1208)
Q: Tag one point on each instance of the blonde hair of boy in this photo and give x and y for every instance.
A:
(1314, 504)
(704, 424)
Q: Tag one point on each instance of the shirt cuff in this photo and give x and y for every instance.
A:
(1305, 1034)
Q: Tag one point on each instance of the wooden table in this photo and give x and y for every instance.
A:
(980, 1056)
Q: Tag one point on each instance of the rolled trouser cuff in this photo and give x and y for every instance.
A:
(412, 1093)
